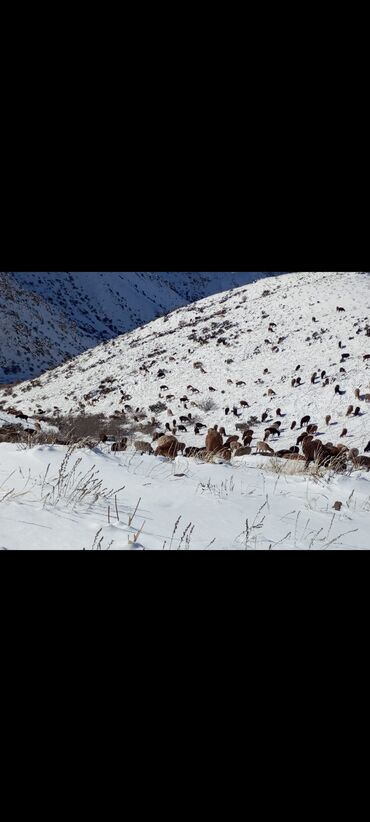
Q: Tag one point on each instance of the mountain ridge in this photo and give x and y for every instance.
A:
(47, 318)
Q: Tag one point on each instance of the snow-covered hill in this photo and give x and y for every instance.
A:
(228, 336)
(228, 350)
(48, 317)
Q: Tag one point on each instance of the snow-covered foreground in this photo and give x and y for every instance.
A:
(83, 499)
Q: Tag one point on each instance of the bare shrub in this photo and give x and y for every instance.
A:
(207, 405)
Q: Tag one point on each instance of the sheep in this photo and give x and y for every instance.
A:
(311, 429)
(271, 393)
(357, 393)
(233, 438)
(362, 462)
(185, 419)
(164, 439)
(263, 448)
(339, 308)
(328, 419)
(242, 451)
(305, 420)
(293, 425)
(366, 357)
(244, 404)
(302, 437)
(349, 410)
(271, 431)
(234, 445)
(315, 450)
(240, 382)
(169, 448)
(143, 447)
(182, 428)
(184, 399)
(211, 389)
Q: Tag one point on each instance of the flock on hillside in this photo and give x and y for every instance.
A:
(258, 435)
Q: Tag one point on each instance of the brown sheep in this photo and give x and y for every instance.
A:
(242, 451)
(315, 450)
(170, 449)
(263, 448)
(271, 393)
(164, 440)
(328, 419)
(213, 441)
(303, 437)
(143, 447)
(349, 410)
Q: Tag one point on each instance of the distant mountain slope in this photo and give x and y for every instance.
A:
(47, 317)
(221, 341)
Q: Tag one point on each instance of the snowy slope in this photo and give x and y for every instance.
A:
(47, 317)
(179, 505)
(229, 335)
